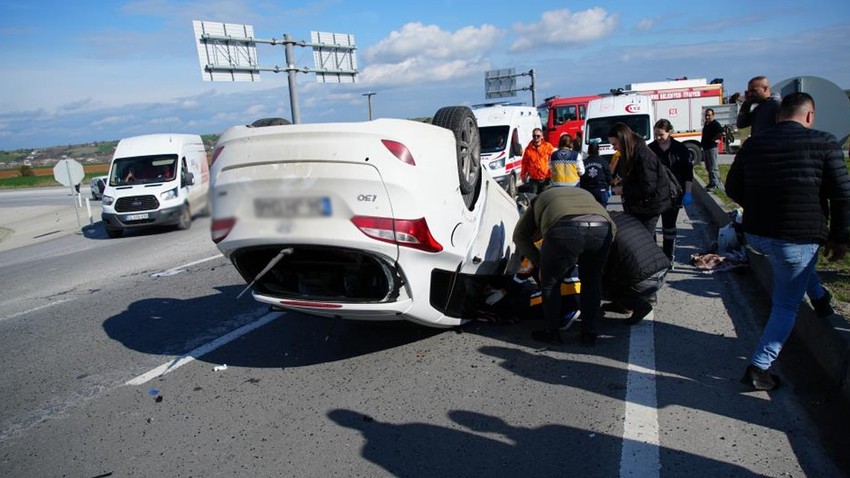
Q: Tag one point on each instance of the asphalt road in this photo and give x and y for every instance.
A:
(110, 348)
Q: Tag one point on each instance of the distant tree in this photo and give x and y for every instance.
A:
(26, 170)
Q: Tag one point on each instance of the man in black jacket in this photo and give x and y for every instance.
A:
(635, 270)
(795, 190)
(760, 107)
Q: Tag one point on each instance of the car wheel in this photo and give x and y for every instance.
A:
(461, 121)
(696, 152)
(185, 221)
(261, 123)
(113, 233)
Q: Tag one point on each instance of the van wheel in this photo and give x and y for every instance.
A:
(696, 153)
(185, 221)
(512, 186)
(461, 121)
(114, 233)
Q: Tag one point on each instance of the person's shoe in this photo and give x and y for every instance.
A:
(615, 308)
(760, 379)
(551, 337)
(823, 307)
(588, 339)
(641, 311)
(569, 319)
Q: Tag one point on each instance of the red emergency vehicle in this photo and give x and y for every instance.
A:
(563, 115)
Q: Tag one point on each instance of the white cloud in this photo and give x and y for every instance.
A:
(428, 53)
(563, 27)
(113, 120)
(255, 110)
(166, 120)
(645, 25)
(431, 41)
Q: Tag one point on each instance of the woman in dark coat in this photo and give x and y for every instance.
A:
(644, 187)
(676, 156)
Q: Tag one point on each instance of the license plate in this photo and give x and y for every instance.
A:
(292, 207)
(135, 217)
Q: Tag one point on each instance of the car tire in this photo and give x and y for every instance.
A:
(696, 152)
(114, 233)
(461, 121)
(185, 220)
(260, 123)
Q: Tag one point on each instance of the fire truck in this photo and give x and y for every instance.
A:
(682, 102)
(563, 115)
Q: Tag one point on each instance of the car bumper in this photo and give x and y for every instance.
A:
(137, 219)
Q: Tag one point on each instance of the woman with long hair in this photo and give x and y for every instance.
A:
(676, 156)
(644, 186)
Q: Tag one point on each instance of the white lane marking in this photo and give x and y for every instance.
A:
(640, 455)
(204, 349)
(179, 269)
(44, 306)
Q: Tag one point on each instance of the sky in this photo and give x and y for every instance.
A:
(100, 70)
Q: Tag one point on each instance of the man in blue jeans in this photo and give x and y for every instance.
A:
(795, 190)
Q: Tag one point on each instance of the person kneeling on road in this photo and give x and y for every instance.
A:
(575, 230)
(635, 270)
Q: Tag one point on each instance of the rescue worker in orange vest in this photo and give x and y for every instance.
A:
(535, 162)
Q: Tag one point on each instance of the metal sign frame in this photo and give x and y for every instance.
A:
(500, 83)
(226, 51)
(334, 57)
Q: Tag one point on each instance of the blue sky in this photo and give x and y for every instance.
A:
(101, 70)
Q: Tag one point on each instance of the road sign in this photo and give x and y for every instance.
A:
(227, 51)
(334, 57)
(500, 83)
(68, 172)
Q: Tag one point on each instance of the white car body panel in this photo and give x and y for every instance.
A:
(347, 166)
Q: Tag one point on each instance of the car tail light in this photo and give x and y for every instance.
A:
(216, 154)
(400, 151)
(221, 228)
(413, 233)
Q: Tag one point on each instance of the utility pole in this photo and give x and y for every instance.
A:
(369, 95)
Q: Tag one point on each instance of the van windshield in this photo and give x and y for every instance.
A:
(158, 168)
(493, 138)
(597, 128)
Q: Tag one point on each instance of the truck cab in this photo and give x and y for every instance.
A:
(505, 129)
(561, 116)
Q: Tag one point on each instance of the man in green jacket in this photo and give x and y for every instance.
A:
(575, 229)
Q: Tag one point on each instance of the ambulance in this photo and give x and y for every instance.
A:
(634, 110)
(505, 129)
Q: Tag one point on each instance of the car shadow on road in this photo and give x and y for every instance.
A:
(173, 327)
(97, 232)
(484, 445)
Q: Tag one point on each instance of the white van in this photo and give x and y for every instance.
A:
(505, 130)
(634, 110)
(155, 180)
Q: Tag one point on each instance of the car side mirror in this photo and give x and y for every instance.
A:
(517, 149)
(188, 179)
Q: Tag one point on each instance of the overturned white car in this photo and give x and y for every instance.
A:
(377, 220)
